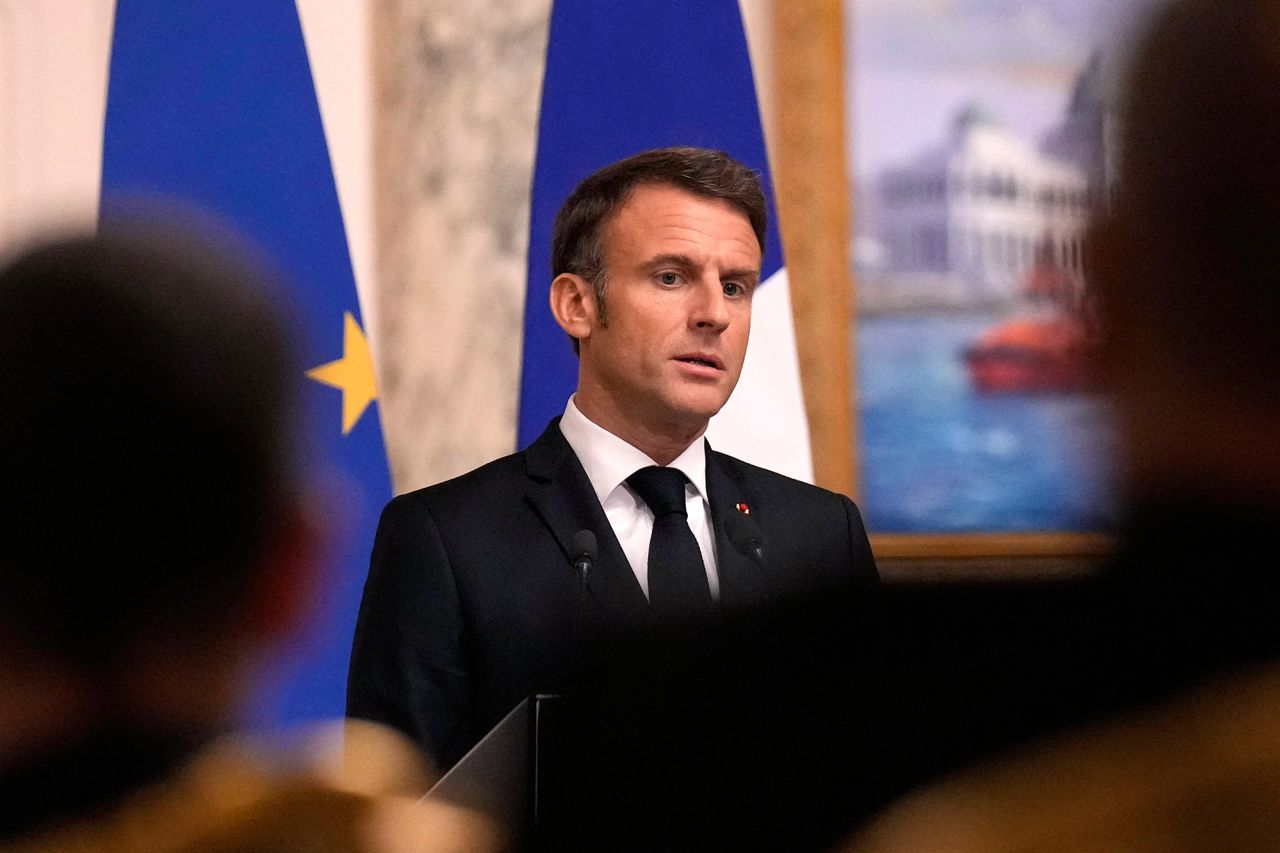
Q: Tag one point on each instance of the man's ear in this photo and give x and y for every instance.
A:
(573, 304)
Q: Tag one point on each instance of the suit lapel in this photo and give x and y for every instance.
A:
(562, 495)
(742, 581)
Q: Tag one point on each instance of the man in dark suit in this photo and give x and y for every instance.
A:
(487, 587)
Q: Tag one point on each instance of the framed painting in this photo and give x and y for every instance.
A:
(981, 139)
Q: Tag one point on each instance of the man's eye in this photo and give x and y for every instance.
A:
(668, 277)
(732, 288)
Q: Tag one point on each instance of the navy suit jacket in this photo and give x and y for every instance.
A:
(472, 601)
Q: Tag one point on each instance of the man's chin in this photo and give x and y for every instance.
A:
(698, 411)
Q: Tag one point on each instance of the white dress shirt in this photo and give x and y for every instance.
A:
(609, 461)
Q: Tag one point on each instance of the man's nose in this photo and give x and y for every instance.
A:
(710, 309)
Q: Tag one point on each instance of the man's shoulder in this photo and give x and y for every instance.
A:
(493, 480)
(500, 480)
(758, 478)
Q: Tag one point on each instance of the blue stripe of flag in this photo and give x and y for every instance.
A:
(213, 104)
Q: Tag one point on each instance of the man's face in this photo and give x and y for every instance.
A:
(680, 273)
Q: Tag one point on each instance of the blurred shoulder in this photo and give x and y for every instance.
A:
(240, 795)
(1206, 766)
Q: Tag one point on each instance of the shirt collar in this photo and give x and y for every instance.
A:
(609, 461)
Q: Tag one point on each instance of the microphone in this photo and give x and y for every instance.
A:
(584, 553)
(744, 533)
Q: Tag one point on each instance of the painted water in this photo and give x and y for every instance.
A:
(941, 457)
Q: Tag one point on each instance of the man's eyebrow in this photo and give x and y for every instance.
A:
(677, 259)
(672, 260)
(748, 274)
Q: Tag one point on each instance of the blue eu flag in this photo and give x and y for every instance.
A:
(213, 104)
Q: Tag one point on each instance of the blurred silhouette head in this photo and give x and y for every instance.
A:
(148, 502)
(1187, 264)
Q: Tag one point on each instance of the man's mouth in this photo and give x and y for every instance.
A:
(702, 359)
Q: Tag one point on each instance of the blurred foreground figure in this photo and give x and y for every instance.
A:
(155, 544)
(1186, 278)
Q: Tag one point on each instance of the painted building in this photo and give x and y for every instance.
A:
(964, 223)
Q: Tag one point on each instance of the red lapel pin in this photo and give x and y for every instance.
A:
(743, 508)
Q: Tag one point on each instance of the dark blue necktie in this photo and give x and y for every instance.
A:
(677, 577)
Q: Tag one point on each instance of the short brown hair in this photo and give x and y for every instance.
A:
(577, 242)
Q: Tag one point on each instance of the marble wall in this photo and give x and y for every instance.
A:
(455, 106)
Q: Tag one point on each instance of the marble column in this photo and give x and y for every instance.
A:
(455, 106)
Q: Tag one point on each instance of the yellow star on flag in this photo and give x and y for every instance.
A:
(352, 374)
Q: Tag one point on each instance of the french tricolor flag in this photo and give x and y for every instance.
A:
(622, 78)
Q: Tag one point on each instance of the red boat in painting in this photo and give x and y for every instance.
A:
(1029, 355)
(1047, 351)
